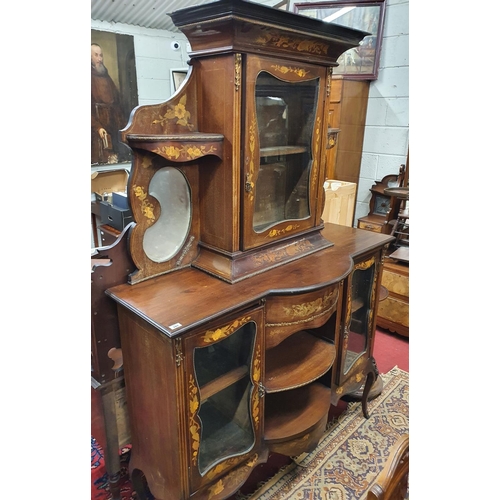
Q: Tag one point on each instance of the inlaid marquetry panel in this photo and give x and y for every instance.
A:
(287, 314)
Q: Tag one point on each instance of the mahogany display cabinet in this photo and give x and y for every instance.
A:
(246, 316)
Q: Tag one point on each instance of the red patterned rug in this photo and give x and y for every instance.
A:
(99, 477)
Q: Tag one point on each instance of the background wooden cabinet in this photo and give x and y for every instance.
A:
(394, 311)
(347, 112)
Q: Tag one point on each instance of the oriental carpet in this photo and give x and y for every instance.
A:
(346, 462)
(351, 454)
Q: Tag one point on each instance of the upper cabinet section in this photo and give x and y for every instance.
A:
(227, 176)
(247, 27)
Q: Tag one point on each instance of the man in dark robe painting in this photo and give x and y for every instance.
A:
(107, 115)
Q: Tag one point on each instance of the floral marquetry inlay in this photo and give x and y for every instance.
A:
(256, 374)
(288, 42)
(194, 426)
(280, 232)
(184, 153)
(146, 206)
(283, 253)
(233, 477)
(220, 333)
(308, 309)
(288, 69)
(177, 113)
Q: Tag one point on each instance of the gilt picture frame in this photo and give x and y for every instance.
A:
(362, 62)
(177, 76)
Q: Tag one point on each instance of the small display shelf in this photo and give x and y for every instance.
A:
(290, 415)
(178, 147)
(297, 361)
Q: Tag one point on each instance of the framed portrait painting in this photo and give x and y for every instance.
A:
(113, 95)
(361, 62)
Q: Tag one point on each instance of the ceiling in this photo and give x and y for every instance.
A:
(150, 13)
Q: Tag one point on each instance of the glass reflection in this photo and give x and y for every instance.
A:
(361, 314)
(285, 119)
(222, 373)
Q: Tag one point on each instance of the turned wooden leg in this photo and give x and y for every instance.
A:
(111, 447)
(114, 486)
(375, 391)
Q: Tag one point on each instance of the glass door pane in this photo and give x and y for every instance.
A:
(222, 372)
(285, 119)
(361, 314)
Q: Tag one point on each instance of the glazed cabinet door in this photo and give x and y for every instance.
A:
(283, 148)
(224, 370)
(359, 323)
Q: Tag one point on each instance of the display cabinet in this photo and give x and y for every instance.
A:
(232, 323)
(241, 144)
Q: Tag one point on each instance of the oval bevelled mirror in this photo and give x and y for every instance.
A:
(165, 238)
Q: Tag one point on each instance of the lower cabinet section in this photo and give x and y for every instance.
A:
(219, 375)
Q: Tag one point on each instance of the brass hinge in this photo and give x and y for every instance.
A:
(262, 390)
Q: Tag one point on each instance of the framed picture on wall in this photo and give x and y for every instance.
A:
(113, 95)
(177, 76)
(361, 62)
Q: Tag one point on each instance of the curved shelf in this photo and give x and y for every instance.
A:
(178, 147)
(298, 360)
(281, 151)
(290, 414)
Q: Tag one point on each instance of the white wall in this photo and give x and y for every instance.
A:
(387, 121)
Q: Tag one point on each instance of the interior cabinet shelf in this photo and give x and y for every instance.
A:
(357, 304)
(290, 414)
(297, 361)
(222, 382)
(281, 151)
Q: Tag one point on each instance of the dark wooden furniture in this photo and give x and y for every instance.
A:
(299, 338)
(247, 317)
(110, 266)
(383, 207)
(392, 484)
(347, 112)
(394, 312)
(108, 235)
